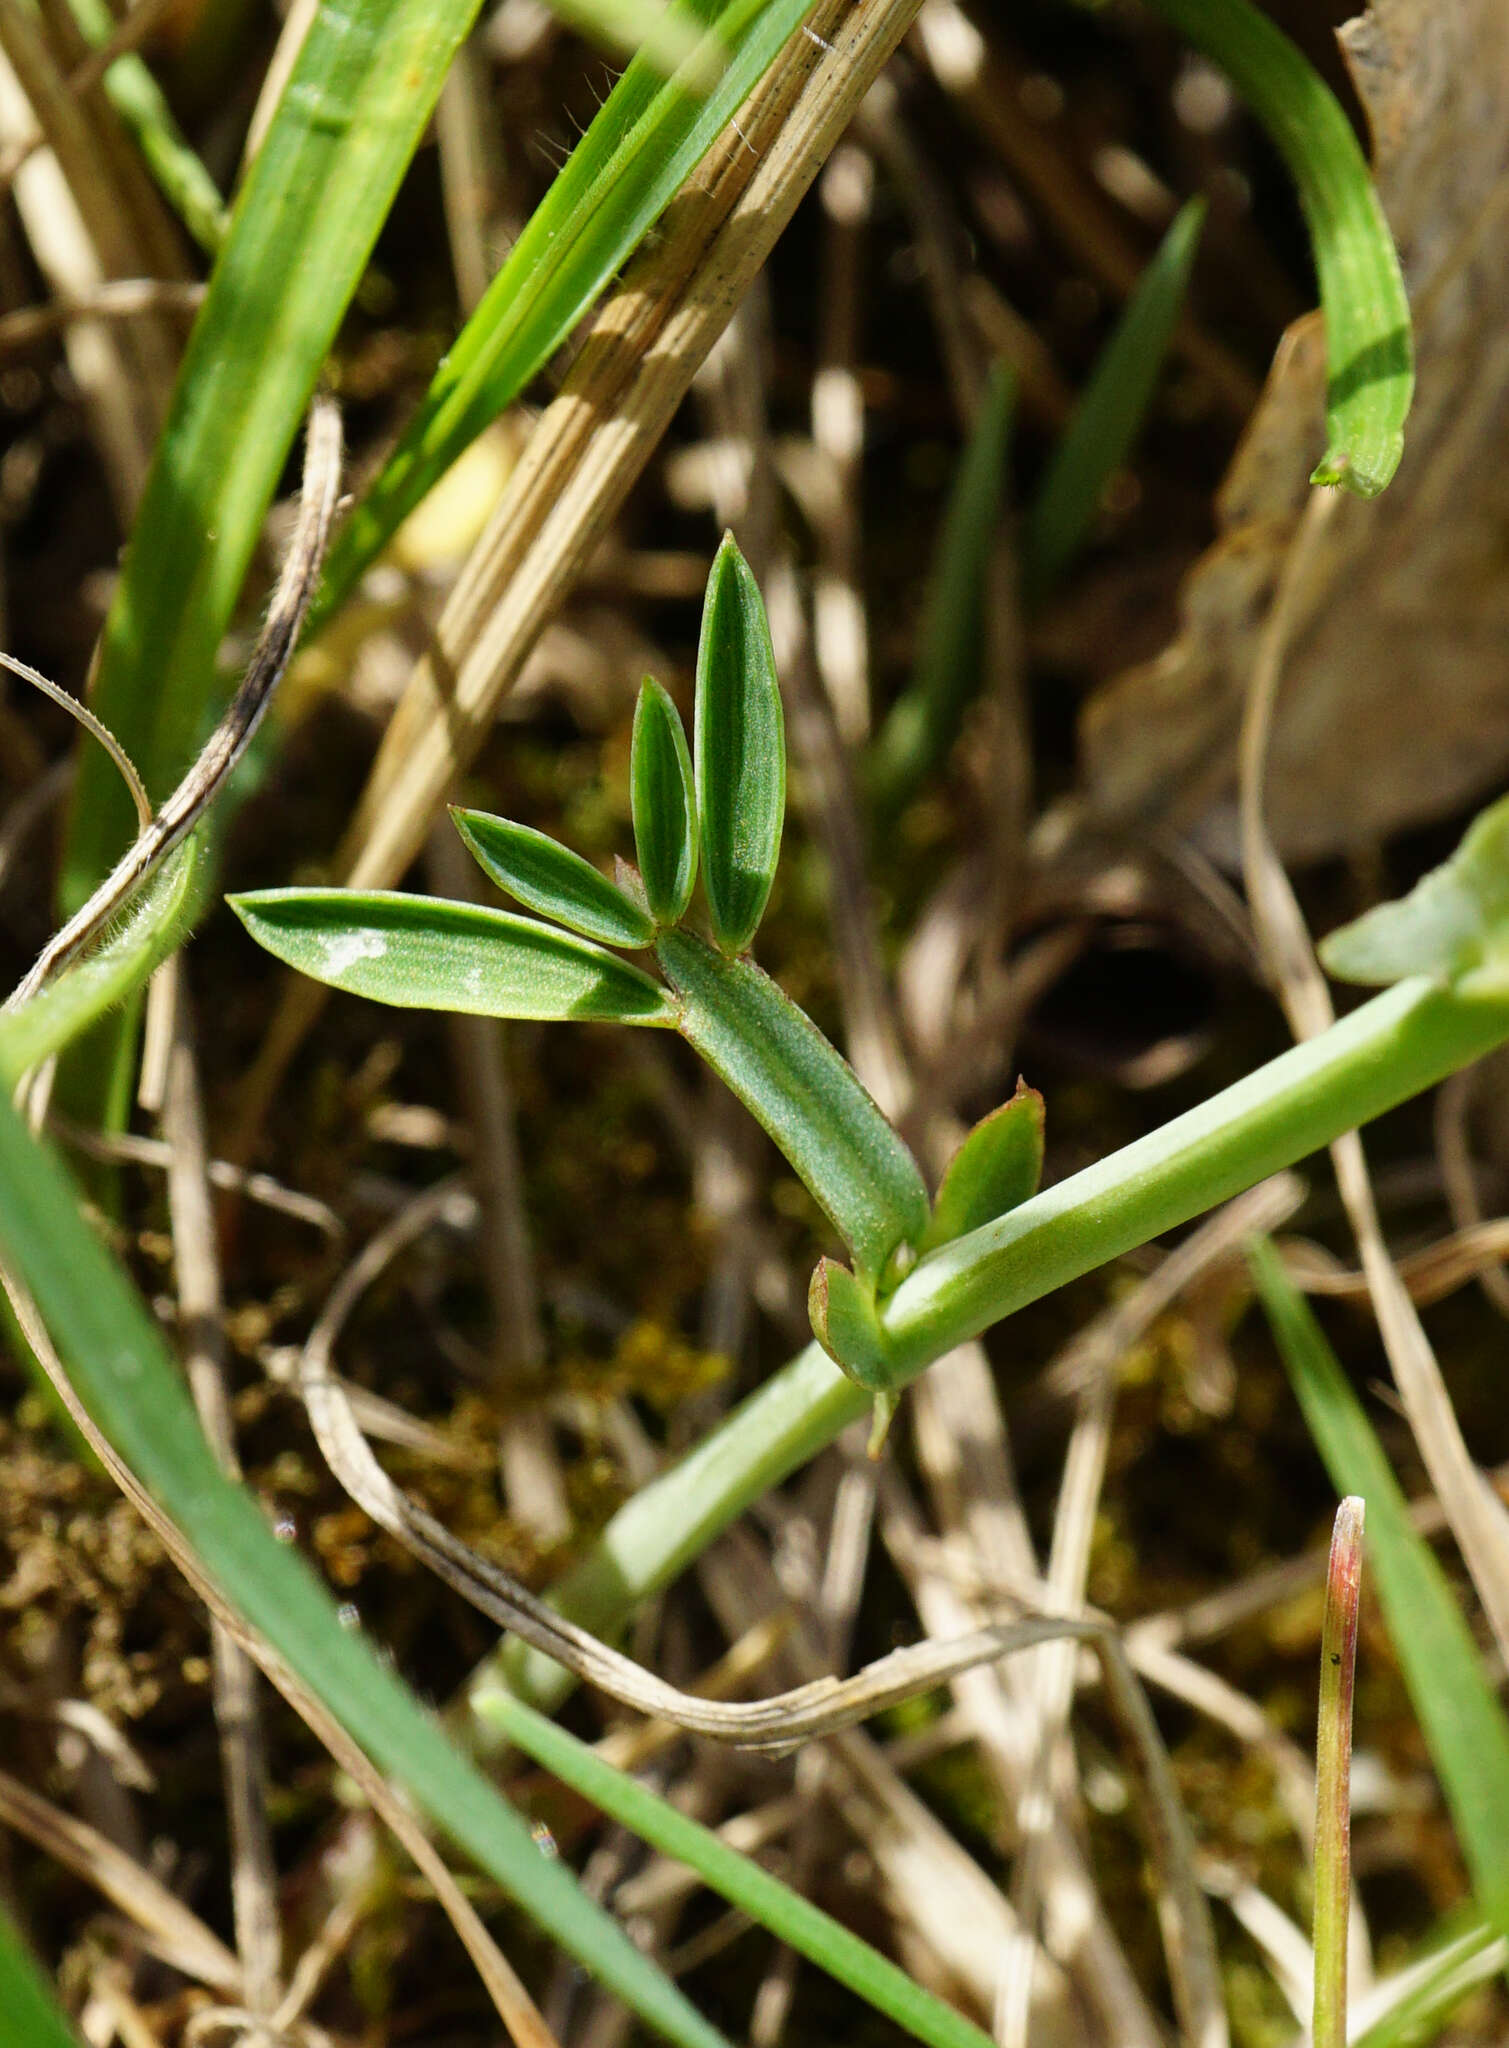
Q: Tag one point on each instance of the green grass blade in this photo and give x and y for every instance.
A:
(161, 915)
(741, 1881)
(303, 227)
(1464, 1725)
(739, 737)
(1453, 925)
(921, 725)
(805, 1094)
(1109, 415)
(1425, 1992)
(138, 99)
(32, 2016)
(997, 1167)
(423, 953)
(664, 801)
(1369, 346)
(132, 1388)
(549, 878)
(650, 135)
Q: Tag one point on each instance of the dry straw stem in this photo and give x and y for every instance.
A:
(1478, 1519)
(588, 448)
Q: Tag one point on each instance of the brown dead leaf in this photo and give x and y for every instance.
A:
(1395, 700)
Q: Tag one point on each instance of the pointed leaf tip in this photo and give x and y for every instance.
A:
(549, 878)
(740, 751)
(664, 802)
(997, 1167)
(423, 953)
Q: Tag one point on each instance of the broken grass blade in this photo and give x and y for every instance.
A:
(1111, 410)
(739, 732)
(805, 1094)
(922, 724)
(997, 1167)
(1333, 1776)
(649, 136)
(1370, 377)
(771, 1904)
(133, 1389)
(1462, 1720)
(664, 801)
(423, 953)
(549, 878)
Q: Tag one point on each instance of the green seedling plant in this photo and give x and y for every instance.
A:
(718, 817)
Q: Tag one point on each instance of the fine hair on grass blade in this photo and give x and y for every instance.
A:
(1370, 377)
(1333, 1776)
(1110, 413)
(33, 2018)
(923, 722)
(131, 1391)
(1463, 1723)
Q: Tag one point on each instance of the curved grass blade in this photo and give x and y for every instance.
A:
(740, 738)
(1110, 413)
(545, 876)
(1463, 1722)
(422, 953)
(1369, 346)
(998, 1166)
(664, 801)
(740, 1880)
(649, 136)
(805, 1094)
(1419, 1998)
(921, 725)
(1453, 925)
(33, 2019)
(351, 117)
(161, 916)
(133, 1390)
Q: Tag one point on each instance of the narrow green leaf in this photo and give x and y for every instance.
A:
(1418, 1998)
(1369, 345)
(921, 725)
(741, 751)
(355, 106)
(548, 877)
(649, 136)
(1453, 925)
(32, 2016)
(739, 1879)
(143, 109)
(1110, 413)
(156, 920)
(423, 953)
(998, 1166)
(1463, 1722)
(123, 1374)
(805, 1094)
(664, 803)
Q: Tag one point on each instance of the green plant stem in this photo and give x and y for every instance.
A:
(1333, 1778)
(739, 1879)
(1401, 1043)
